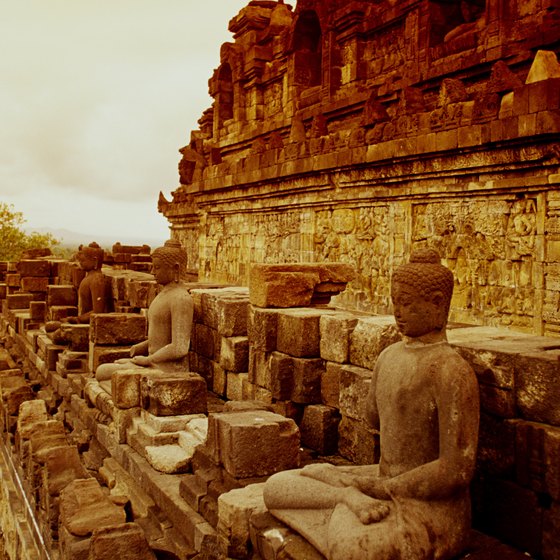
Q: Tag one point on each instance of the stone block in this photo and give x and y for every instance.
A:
(262, 328)
(232, 316)
(34, 267)
(34, 284)
(545, 66)
(496, 446)
(141, 293)
(62, 466)
(370, 337)
(84, 507)
(537, 457)
(99, 354)
(62, 295)
(168, 424)
(219, 379)
(52, 352)
(38, 311)
(259, 372)
(203, 366)
(330, 384)
(256, 443)
(209, 307)
(335, 333)
(19, 301)
(77, 336)
(551, 532)
(298, 333)
(117, 328)
(280, 368)
(234, 385)
(235, 509)
(497, 401)
(14, 391)
(296, 285)
(125, 542)
(169, 394)
(13, 280)
(319, 429)
(357, 442)
(509, 512)
(72, 546)
(192, 490)
(307, 380)
(234, 354)
(204, 341)
(548, 122)
(355, 384)
(274, 540)
(62, 312)
(30, 414)
(125, 388)
(168, 459)
(537, 386)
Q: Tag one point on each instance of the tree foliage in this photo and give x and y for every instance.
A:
(14, 240)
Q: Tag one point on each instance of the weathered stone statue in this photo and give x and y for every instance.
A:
(170, 318)
(94, 292)
(424, 400)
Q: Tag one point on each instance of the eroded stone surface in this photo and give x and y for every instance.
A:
(423, 397)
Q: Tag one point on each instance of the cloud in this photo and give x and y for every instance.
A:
(98, 97)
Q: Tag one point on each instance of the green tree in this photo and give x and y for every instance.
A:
(14, 240)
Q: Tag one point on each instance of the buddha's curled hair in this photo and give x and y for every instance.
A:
(425, 273)
(172, 253)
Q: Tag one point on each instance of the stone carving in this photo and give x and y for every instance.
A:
(424, 400)
(170, 318)
(191, 165)
(489, 245)
(360, 238)
(94, 292)
(464, 35)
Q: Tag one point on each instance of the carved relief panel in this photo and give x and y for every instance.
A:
(231, 243)
(360, 237)
(385, 51)
(490, 245)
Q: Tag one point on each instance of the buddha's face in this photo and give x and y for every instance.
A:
(87, 261)
(415, 314)
(163, 272)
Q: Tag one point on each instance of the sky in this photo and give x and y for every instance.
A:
(96, 98)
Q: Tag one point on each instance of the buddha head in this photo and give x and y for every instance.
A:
(91, 257)
(421, 291)
(169, 262)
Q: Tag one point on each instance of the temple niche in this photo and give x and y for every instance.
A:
(355, 132)
(307, 50)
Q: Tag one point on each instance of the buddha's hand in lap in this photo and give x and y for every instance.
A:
(123, 361)
(367, 510)
(141, 361)
(327, 473)
(373, 486)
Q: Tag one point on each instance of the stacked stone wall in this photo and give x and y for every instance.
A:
(286, 387)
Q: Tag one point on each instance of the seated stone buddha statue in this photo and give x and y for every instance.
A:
(423, 399)
(170, 318)
(94, 291)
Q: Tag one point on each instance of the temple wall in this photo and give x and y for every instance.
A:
(356, 133)
(307, 369)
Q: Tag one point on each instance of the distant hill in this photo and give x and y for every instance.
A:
(74, 239)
